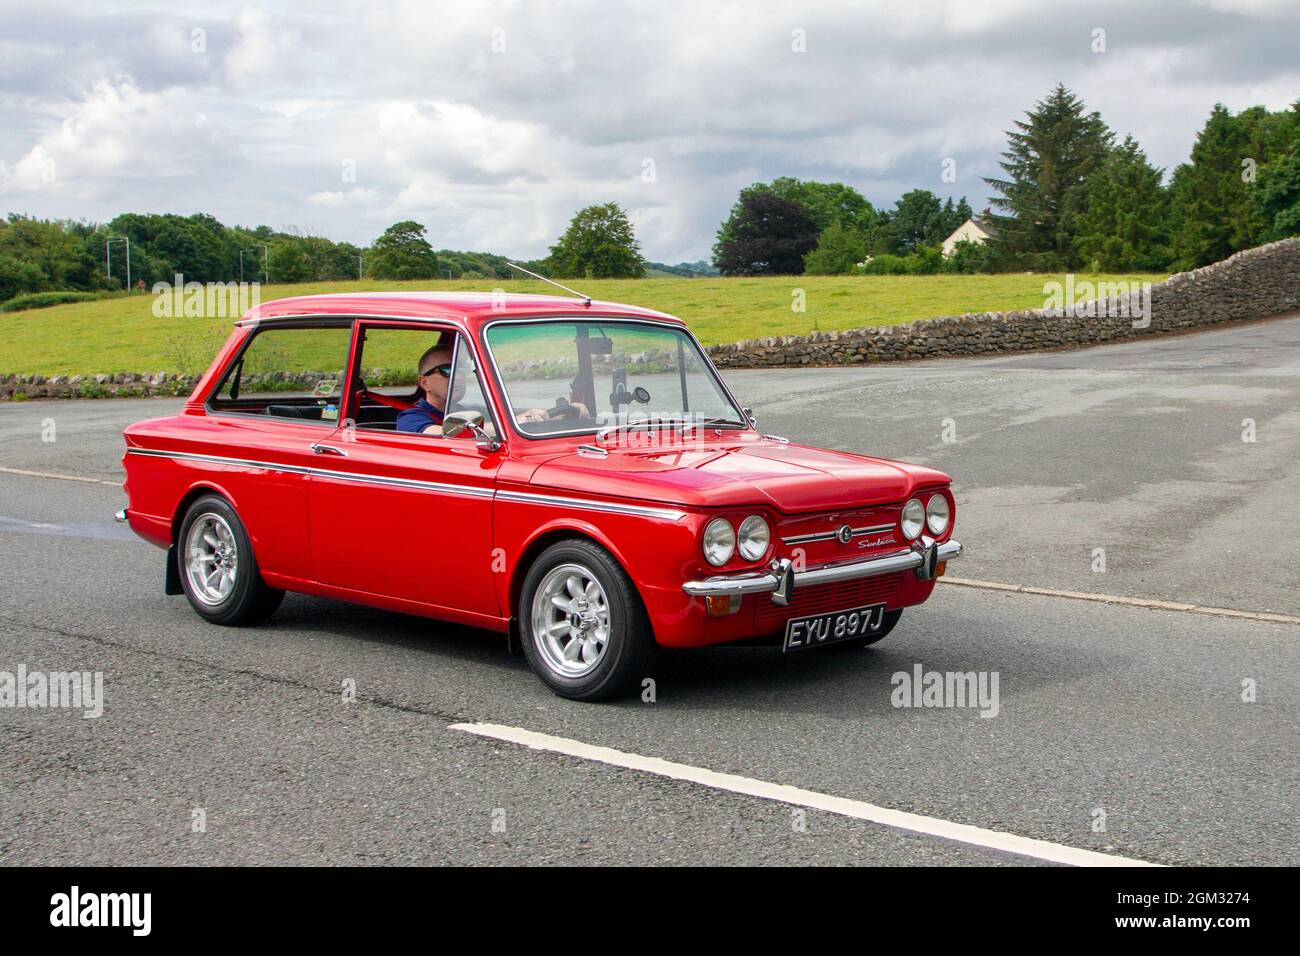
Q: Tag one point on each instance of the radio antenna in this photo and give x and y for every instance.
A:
(586, 299)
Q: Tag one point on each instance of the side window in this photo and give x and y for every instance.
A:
(288, 373)
(410, 379)
(467, 387)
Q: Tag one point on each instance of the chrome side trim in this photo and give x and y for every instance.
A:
(827, 535)
(522, 497)
(468, 491)
(219, 460)
(765, 582)
(587, 504)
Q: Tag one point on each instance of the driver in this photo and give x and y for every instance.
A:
(435, 381)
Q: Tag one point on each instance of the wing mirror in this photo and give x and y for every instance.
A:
(457, 424)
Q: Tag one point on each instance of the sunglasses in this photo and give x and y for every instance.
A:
(444, 370)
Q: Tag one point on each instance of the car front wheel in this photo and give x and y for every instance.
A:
(585, 632)
(217, 567)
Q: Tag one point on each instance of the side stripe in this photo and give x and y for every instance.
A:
(520, 497)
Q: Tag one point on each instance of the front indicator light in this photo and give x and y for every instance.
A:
(720, 605)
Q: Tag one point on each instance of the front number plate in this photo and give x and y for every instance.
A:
(836, 626)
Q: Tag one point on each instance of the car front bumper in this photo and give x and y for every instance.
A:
(781, 579)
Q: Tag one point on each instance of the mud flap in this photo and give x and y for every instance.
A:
(172, 576)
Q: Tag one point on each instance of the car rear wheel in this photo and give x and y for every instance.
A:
(886, 625)
(217, 567)
(585, 632)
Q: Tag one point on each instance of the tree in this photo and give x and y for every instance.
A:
(1211, 212)
(1049, 157)
(764, 235)
(838, 252)
(18, 277)
(827, 203)
(917, 219)
(288, 261)
(1276, 197)
(60, 256)
(598, 244)
(402, 252)
(1123, 225)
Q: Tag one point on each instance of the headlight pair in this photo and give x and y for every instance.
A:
(721, 540)
(934, 514)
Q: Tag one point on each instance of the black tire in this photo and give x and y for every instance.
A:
(887, 625)
(628, 652)
(249, 600)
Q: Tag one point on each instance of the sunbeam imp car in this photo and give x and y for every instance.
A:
(573, 474)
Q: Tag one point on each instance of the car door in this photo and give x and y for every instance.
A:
(406, 516)
(281, 394)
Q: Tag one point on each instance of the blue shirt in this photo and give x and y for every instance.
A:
(420, 417)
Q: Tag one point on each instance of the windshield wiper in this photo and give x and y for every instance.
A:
(710, 423)
(640, 423)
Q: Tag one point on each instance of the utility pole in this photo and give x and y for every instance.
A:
(359, 257)
(108, 259)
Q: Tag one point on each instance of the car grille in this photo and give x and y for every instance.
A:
(820, 598)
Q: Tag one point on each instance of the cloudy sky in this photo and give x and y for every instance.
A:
(492, 123)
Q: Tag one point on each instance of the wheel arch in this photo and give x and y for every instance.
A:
(192, 495)
(539, 542)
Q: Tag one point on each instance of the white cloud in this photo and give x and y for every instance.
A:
(339, 197)
(116, 132)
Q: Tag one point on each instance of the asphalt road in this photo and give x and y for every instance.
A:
(1133, 712)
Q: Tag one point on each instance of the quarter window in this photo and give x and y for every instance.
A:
(294, 373)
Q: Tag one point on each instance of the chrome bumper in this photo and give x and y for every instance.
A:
(120, 517)
(781, 579)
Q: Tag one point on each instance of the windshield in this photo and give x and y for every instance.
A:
(588, 375)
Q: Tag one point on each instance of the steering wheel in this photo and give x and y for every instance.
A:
(562, 409)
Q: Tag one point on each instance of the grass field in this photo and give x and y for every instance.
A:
(122, 335)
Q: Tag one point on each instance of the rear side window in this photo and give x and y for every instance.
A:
(288, 373)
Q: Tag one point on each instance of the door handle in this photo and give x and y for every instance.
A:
(320, 449)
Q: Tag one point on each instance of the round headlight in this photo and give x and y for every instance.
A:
(937, 514)
(719, 541)
(754, 538)
(913, 519)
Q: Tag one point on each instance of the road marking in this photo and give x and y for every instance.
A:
(897, 819)
(48, 474)
(1128, 601)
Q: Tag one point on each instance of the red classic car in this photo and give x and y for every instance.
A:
(574, 474)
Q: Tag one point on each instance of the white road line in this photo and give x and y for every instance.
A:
(1127, 601)
(47, 474)
(898, 819)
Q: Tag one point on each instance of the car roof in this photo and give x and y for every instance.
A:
(471, 308)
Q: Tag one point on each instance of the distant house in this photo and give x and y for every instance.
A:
(980, 229)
